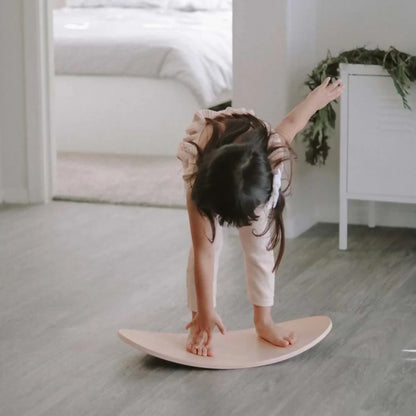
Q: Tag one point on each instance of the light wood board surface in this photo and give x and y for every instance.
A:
(233, 350)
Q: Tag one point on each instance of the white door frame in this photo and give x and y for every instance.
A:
(38, 75)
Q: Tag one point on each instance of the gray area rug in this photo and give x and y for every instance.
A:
(120, 179)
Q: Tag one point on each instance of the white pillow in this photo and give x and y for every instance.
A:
(195, 5)
(117, 3)
(226, 4)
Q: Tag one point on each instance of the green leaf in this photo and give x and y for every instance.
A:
(400, 66)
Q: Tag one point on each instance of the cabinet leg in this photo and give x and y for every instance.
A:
(343, 223)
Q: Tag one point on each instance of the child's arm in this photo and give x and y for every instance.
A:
(297, 119)
(203, 256)
(206, 318)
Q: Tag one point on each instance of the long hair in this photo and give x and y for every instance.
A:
(234, 175)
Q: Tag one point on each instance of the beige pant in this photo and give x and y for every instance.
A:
(259, 264)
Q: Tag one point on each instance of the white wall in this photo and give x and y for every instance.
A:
(13, 173)
(12, 103)
(26, 154)
(274, 47)
(258, 40)
(276, 44)
(301, 53)
(347, 25)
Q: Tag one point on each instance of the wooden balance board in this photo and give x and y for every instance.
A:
(236, 349)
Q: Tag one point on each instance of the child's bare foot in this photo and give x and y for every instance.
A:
(275, 334)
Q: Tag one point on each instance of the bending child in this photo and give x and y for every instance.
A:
(233, 164)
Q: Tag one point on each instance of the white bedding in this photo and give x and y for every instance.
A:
(194, 48)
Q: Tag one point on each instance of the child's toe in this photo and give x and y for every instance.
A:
(282, 342)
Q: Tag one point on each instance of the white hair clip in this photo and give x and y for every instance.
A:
(277, 182)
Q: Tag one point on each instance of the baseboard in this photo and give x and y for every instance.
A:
(295, 225)
(387, 214)
(15, 196)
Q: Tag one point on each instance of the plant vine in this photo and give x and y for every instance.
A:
(400, 66)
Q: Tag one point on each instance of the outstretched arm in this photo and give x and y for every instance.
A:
(297, 119)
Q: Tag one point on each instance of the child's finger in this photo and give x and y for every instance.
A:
(199, 337)
(209, 337)
(338, 91)
(207, 348)
(189, 325)
(326, 81)
(335, 85)
(200, 342)
(221, 326)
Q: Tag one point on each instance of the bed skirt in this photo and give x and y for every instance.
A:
(122, 115)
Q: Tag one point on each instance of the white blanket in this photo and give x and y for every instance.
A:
(192, 47)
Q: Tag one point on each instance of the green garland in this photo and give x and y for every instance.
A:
(400, 66)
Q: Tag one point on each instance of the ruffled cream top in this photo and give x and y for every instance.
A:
(187, 152)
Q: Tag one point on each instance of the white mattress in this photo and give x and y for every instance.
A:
(194, 48)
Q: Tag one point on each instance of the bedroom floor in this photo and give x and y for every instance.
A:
(74, 273)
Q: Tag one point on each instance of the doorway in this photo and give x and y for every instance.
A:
(107, 138)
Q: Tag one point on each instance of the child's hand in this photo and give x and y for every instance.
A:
(325, 93)
(202, 326)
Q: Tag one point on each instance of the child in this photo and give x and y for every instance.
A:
(232, 168)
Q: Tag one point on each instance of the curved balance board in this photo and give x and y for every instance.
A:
(236, 349)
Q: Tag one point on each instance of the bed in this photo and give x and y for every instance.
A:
(128, 79)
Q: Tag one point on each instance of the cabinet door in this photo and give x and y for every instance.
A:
(381, 138)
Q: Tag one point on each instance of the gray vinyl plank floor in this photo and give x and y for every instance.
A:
(72, 274)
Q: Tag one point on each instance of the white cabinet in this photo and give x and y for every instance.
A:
(378, 142)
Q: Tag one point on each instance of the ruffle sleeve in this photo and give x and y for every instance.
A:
(187, 152)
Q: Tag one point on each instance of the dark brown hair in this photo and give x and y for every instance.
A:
(235, 175)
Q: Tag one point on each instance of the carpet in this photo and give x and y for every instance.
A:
(120, 179)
